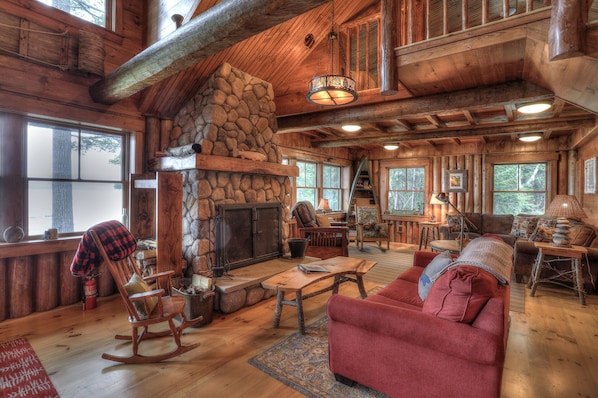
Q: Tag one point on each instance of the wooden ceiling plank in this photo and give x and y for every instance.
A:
(217, 29)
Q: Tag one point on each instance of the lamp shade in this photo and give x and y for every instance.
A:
(566, 206)
(435, 201)
(324, 205)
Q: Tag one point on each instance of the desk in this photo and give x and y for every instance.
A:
(571, 254)
(425, 228)
(294, 281)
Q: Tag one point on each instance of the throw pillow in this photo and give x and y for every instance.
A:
(431, 272)
(454, 222)
(323, 221)
(581, 234)
(544, 230)
(137, 285)
(460, 294)
(524, 226)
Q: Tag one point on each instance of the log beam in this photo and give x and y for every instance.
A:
(457, 101)
(566, 35)
(516, 127)
(220, 27)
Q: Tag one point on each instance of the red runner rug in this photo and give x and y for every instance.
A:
(22, 373)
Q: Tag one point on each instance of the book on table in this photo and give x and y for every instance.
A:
(309, 268)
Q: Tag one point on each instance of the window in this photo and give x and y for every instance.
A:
(331, 183)
(94, 11)
(406, 189)
(520, 188)
(306, 182)
(75, 177)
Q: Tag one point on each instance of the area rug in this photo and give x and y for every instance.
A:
(21, 372)
(301, 362)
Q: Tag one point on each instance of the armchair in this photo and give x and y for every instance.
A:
(326, 239)
(370, 228)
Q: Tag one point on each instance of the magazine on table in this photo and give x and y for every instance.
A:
(309, 268)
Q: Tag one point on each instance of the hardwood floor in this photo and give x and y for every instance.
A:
(552, 350)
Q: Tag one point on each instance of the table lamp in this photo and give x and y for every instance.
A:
(434, 201)
(323, 206)
(564, 207)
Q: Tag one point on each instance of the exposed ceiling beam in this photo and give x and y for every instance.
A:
(220, 27)
(482, 130)
(413, 107)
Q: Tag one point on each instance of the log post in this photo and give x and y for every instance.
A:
(20, 286)
(389, 73)
(70, 286)
(566, 35)
(46, 282)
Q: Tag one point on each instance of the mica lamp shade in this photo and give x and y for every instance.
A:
(564, 207)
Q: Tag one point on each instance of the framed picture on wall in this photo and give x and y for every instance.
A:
(590, 176)
(455, 180)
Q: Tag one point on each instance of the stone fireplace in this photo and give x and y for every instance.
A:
(232, 117)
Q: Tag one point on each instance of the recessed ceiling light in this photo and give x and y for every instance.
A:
(530, 137)
(534, 107)
(351, 128)
(391, 147)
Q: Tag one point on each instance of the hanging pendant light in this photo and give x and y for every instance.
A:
(331, 88)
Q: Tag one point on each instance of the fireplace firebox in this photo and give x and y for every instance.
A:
(248, 233)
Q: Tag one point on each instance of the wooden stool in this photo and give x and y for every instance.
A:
(425, 227)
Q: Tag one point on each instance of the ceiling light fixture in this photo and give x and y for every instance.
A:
(530, 137)
(351, 128)
(534, 107)
(391, 147)
(331, 88)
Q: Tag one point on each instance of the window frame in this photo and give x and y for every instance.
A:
(110, 9)
(81, 129)
(345, 171)
(551, 160)
(385, 167)
(423, 190)
(518, 191)
(338, 189)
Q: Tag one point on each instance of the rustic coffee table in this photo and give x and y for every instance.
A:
(294, 281)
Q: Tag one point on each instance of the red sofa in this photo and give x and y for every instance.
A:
(390, 343)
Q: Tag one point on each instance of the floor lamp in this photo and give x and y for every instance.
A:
(443, 197)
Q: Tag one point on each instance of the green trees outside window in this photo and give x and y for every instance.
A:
(520, 188)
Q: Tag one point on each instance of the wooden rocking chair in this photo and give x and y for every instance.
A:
(145, 306)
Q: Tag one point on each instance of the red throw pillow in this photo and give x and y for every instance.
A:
(460, 293)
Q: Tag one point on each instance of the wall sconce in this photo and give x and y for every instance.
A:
(534, 107)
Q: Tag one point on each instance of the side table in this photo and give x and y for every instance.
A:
(425, 229)
(572, 254)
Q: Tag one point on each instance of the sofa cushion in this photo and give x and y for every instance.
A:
(581, 234)
(544, 230)
(524, 226)
(497, 223)
(431, 272)
(460, 293)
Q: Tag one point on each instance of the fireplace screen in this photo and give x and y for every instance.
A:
(248, 233)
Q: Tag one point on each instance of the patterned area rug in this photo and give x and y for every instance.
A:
(301, 362)
(21, 372)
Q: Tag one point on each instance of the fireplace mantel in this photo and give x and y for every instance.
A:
(223, 163)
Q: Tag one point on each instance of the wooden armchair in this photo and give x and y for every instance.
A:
(146, 306)
(370, 228)
(325, 241)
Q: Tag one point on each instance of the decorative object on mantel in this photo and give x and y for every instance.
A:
(331, 88)
(564, 207)
(185, 150)
(253, 155)
(13, 234)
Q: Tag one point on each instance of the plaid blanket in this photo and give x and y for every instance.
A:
(116, 239)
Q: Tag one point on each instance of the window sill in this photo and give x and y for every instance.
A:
(34, 247)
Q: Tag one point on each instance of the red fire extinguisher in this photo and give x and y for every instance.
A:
(90, 292)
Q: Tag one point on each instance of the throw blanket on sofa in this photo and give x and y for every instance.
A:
(490, 254)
